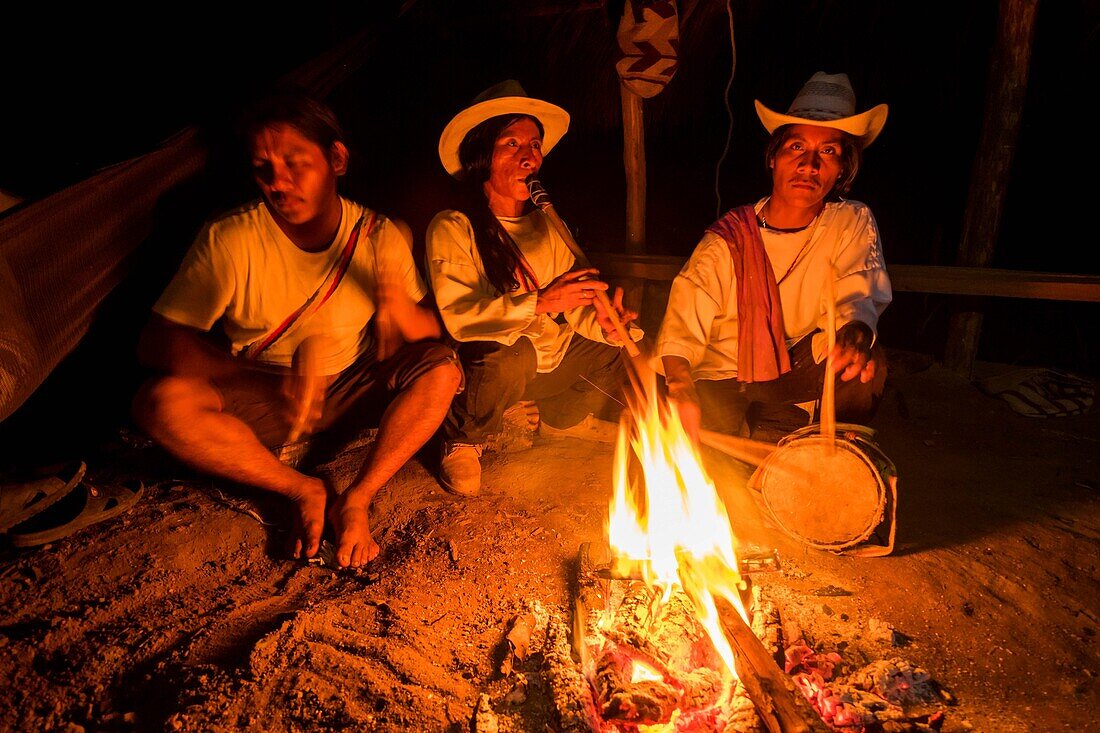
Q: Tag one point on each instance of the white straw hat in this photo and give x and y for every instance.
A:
(504, 98)
(827, 100)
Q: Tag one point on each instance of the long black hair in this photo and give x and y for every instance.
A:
(505, 266)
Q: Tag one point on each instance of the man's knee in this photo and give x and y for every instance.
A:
(445, 377)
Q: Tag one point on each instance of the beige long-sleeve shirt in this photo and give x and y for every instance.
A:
(473, 310)
(701, 324)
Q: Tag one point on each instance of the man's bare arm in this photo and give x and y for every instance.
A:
(681, 391)
(181, 350)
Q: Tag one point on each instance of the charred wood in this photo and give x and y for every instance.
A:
(623, 700)
(766, 624)
(590, 607)
(677, 637)
(517, 643)
(636, 612)
(702, 688)
(742, 716)
(568, 688)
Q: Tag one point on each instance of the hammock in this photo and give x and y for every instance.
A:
(62, 256)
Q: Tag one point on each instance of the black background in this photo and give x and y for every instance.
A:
(90, 87)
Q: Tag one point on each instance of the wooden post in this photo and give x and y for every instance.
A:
(634, 166)
(1004, 102)
(634, 162)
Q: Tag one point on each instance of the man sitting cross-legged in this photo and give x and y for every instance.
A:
(300, 249)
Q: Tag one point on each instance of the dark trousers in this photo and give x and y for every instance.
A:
(498, 376)
(769, 409)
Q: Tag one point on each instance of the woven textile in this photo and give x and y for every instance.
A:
(649, 42)
(1041, 392)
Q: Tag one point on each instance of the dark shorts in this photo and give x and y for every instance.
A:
(355, 399)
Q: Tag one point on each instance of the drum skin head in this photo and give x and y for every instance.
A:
(829, 495)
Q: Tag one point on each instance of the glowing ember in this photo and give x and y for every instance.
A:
(668, 520)
(642, 672)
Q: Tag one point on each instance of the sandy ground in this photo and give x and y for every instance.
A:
(184, 615)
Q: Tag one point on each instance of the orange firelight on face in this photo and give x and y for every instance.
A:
(666, 517)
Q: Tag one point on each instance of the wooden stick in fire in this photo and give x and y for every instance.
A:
(781, 707)
(541, 199)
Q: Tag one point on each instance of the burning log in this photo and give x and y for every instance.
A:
(781, 707)
(649, 659)
(593, 600)
(766, 624)
(636, 613)
(568, 686)
(666, 641)
(632, 681)
(680, 640)
(626, 699)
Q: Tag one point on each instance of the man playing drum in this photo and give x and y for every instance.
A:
(744, 339)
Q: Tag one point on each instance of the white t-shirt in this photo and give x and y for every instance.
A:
(244, 270)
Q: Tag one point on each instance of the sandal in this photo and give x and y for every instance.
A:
(21, 501)
(82, 509)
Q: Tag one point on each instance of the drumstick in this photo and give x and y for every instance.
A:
(743, 449)
(756, 452)
(541, 199)
(828, 392)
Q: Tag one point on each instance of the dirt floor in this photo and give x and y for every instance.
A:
(184, 615)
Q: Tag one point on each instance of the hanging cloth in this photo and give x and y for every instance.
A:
(761, 348)
(649, 43)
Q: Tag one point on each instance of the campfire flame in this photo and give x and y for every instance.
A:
(667, 521)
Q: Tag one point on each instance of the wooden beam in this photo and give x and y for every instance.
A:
(1000, 283)
(646, 267)
(976, 281)
(1006, 89)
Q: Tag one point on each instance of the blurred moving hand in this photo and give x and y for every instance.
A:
(304, 388)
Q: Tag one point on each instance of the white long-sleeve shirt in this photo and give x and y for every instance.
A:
(473, 310)
(701, 324)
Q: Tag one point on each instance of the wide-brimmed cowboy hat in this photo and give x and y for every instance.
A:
(504, 98)
(827, 100)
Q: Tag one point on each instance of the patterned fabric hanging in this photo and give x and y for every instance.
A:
(649, 43)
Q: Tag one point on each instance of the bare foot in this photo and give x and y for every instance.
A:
(354, 545)
(310, 519)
